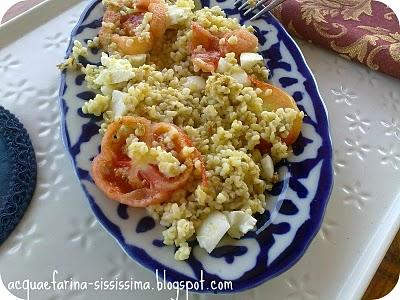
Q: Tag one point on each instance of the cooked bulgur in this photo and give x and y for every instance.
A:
(222, 113)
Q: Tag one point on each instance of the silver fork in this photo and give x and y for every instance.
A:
(263, 5)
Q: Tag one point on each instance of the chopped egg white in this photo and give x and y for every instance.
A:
(183, 252)
(96, 106)
(115, 71)
(223, 66)
(241, 77)
(118, 104)
(167, 164)
(107, 90)
(249, 60)
(212, 230)
(267, 167)
(136, 60)
(240, 223)
(118, 76)
(178, 14)
(195, 83)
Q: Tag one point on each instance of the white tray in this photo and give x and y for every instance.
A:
(59, 231)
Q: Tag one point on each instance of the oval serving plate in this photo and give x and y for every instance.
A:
(297, 202)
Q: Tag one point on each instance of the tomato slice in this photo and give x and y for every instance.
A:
(132, 181)
(206, 58)
(202, 37)
(280, 99)
(246, 42)
(132, 22)
(207, 61)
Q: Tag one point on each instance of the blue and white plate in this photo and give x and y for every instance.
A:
(297, 203)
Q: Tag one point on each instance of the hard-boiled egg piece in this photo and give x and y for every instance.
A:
(136, 60)
(117, 104)
(240, 223)
(116, 70)
(241, 77)
(118, 76)
(195, 83)
(223, 66)
(212, 230)
(249, 60)
(103, 78)
(267, 167)
(107, 90)
(177, 14)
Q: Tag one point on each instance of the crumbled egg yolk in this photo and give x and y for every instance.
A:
(115, 70)
(167, 163)
(96, 106)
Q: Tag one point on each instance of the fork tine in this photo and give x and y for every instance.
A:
(259, 4)
(270, 6)
(237, 2)
(244, 5)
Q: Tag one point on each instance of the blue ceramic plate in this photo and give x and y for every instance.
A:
(297, 203)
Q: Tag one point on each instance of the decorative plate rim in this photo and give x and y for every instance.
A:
(324, 189)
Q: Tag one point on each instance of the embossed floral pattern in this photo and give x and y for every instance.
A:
(85, 232)
(390, 156)
(19, 90)
(49, 152)
(24, 241)
(366, 31)
(58, 40)
(7, 62)
(339, 163)
(356, 122)
(300, 289)
(343, 95)
(355, 147)
(391, 101)
(354, 195)
(327, 229)
(392, 128)
(118, 267)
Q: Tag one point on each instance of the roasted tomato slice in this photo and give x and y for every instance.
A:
(206, 61)
(206, 58)
(280, 99)
(246, 42)
(202, 37)
(131, 23)
(134, 181)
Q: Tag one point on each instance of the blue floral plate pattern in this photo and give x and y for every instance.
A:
(297, 202)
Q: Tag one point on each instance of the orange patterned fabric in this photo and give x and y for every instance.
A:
(366, 31)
